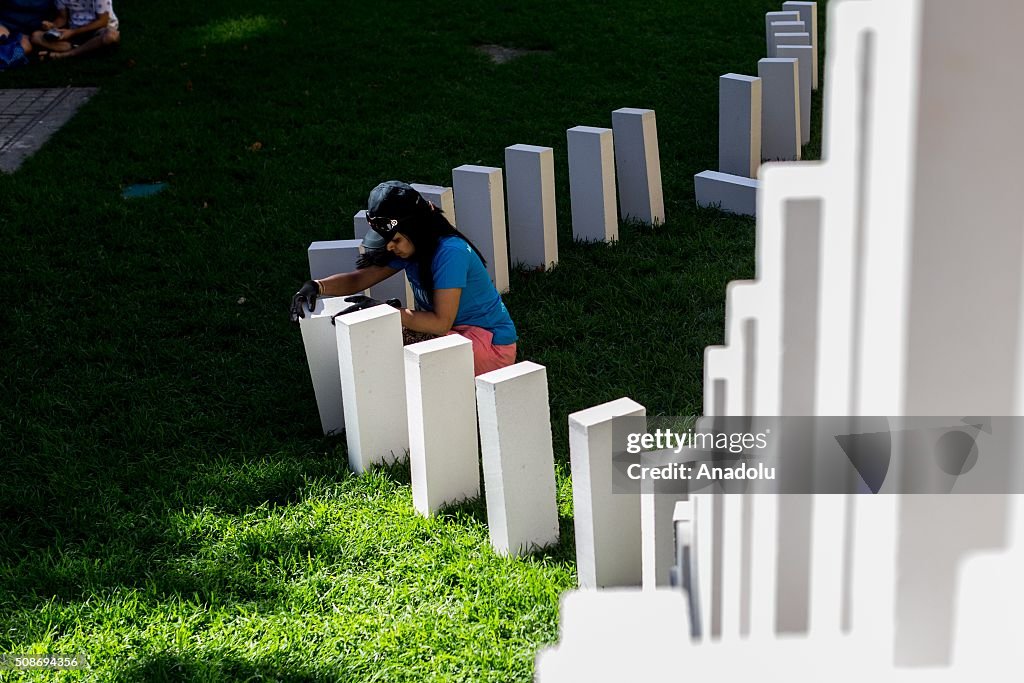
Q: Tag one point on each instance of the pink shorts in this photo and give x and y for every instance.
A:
(486, 356)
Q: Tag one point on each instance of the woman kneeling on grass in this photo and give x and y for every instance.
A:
(453, 291)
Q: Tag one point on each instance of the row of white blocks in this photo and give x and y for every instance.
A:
(424, 400)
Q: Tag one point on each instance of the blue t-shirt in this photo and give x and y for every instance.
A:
(455, 264)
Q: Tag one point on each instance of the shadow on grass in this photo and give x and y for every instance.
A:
(162, 667)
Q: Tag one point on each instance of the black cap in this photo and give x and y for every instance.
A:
(393, 199)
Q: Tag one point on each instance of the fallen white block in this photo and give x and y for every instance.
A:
(395, 287)
(518, 460)
(592, 184)
(480, 204)
(608, 548)
(732, 193)
(442, 422)
(739, 125)
(530, 183)
(372, 369)
(803, 54)
(320, 342)
(809, 15)
(769, 19)
(638, 165)
(332, 256)
(440, 196)
(780, 109)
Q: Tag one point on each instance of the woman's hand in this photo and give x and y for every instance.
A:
(46, 25)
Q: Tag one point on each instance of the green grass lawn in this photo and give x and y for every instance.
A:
(168, 506)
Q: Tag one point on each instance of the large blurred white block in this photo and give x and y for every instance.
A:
(780, 109)
(787, 28)
(769, 19)
(804, 55)
(739, 125)
(332, 256)
(638, 165)
(480, 204)
(809, 15)
(518, 460)
(372, 386)
(530, 183)
(592, 184)
(395, 287)
(608, 548)
(733, 193)
(321, 346)
(440, 196)
(442, 422)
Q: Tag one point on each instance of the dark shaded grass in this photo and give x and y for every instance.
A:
(167, 504)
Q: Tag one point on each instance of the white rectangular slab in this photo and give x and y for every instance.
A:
(771, 17)
(804, 55)
(739, 125)
(321, 345)
(332, 256)
(732, 193)
(608, 546)
(518, 459)
(785, 27)
(780, 109)
(372, 369)
(480, 203)
(440, 196)
(592, 184)
(530, 187)
(638, 165)
(809, 15)
(443, 454)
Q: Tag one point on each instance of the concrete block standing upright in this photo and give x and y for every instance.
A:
(480, 204)
(332, 256)
(592, 184)
(372, 369)
(739, 125)
(395, 287)
(769, 19)
(608, 545)
(784, 27)
(732, 193)
(530, 183)
(321, 346)
(519, 463)
(442, 422)
(809, 15)
(803, 54)
(440, 196)
(638, 165)
(780, 109)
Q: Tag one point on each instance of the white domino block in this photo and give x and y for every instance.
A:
(638, 165)
(592, 184)
(440, 196)
(395, 287)
(804, 55)
(480, 204)
(809, 15)
(780, 109)
(321, 347)
(333, 256)
(657, 535)
(733, 193)
(607, 525)
(442, 422)
(769, 19)
(518, 460)
(530, 182)
(739, 125)
(785, 28)
(372, 369)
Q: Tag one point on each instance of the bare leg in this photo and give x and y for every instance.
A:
(54, 45)
(26, 45)
(107, 38)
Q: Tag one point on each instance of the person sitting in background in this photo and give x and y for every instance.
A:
(81, 27)
(453, 292)
(25, 16)
(14, 49)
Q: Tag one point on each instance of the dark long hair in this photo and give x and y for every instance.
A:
(425, 231)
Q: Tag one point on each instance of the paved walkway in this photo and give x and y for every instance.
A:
(29, 117)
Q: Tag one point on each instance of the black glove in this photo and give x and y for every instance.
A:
(359, 302)
(306, 295)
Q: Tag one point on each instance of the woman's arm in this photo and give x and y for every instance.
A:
(440, 320)
(344, 284)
